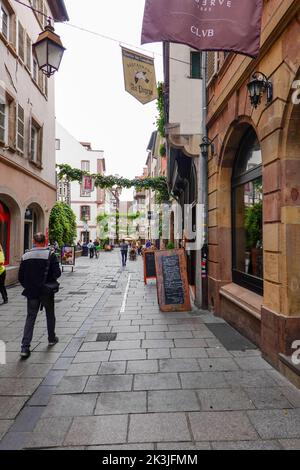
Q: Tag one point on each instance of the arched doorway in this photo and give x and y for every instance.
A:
(5, 231)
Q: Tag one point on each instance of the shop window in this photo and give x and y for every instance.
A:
(247, 208)
(5, 231)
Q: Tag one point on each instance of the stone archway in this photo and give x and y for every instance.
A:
(14, 208)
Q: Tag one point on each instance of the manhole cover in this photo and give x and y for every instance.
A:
(106, 337)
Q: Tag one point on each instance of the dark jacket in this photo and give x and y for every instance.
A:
(124, 247)
(33, 270)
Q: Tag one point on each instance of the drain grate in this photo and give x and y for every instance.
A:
(101, 337)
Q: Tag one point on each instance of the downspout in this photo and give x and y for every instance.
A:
(201, 299)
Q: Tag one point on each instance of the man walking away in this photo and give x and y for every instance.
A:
(38, 273)
(124, 252)
(91, 248)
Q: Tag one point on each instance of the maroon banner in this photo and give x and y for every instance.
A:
(210, 25)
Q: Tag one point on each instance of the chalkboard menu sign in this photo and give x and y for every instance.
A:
(149, 265)
(172, 282)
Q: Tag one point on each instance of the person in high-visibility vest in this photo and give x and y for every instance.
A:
(3, 276)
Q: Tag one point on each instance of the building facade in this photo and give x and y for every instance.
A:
(182, 92)
(254, 188)
(27, 130)
(87, 205)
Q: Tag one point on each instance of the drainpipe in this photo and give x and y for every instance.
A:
(201, 299)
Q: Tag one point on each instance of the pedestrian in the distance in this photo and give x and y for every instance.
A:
(38, 274)
(91, 248)
(3, 276)
(124, 252)
(96, 248)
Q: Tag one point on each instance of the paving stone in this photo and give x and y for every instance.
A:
(188, 352)
(71, 385)
(158, 344)
(122, 447)
(96, 346)
(222, 426)
(219, 364)
(42, 396)
(130, 336)
(109, 383)
(138, 367)
(292, 394)
(98, 430)
(14, 441)
(158, 353)
(154, 328)
(27, 419)
(49, 432)
(172, 400)
(89, 368)
(70, 405)
(194, 380)
(128, 355)
(178, 365)
(178, 334)
(224, 400)
(158, 427)
(5, 424)
(290, 444)
(218, 352)
(43, 357)
(18, 387)
(155, 335)
(246, 445)
(156, 382)
(126, 329)
(32, 371)
(12, 370)
(276, 424)
(252, 363)
(121, 402)
(11, 406)
(96, 356)
(53, 378)
(190, 343)
(63, 363)
(116, 345)
(184, 446)
(249, 379)
(268, 398)
(108, 368)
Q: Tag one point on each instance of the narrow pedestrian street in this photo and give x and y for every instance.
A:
(125, 376)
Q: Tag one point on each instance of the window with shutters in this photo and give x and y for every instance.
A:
(85, 165)
(21, 42)
(85, 213)
(196, 65)
(28, 52)
(3, 122)
(4, 21)
(36, 143)
(20, 129)
(35, 70)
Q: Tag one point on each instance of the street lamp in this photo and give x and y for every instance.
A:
(204, 147)
(257, 87)
(48, 51)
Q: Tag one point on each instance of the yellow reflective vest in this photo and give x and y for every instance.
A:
(2, 260)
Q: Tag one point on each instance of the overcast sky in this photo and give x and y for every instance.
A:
(91, 102)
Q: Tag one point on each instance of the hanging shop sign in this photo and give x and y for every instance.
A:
(139, 76)
(210, 25)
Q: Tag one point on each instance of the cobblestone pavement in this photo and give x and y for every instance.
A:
(165, 381)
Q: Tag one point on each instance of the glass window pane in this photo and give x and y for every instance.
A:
(249, 228)
(249, 156)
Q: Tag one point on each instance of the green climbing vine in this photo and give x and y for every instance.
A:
(160, 120)
(157, 184)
